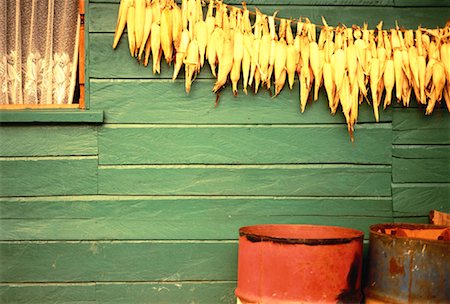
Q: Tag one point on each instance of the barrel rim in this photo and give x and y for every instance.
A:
(262, 237)
(374, 230)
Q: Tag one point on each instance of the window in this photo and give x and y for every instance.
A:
(42, 54)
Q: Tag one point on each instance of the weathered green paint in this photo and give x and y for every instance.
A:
(421, 3)
(128, 144)
(305, 180)
(167, 292)
(42, 140)
(164, 101)
(120, 292)
(118, 261)
(421, 170)
(48, 293)
(418, 199)
(188, 207)
(48, 176)
(51, 116)
(421, 151)
(411, 126)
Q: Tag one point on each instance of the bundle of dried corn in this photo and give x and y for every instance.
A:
(353, 64)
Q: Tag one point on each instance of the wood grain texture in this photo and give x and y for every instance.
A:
(105, 217)
(118, 261)
(308, 180)
(191, 207)
(120, 292)
(411, 126)
(419, 199)
(47, 293)
(167, 292)
(421, 152)
(48, 176)
(421, 170)
(39, 140)
(165, 101)
(421, 3)
(104, 15)
(128, 144)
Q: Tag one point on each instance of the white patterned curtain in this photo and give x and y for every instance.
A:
(38, 51)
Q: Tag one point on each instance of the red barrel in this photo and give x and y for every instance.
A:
(299, 263)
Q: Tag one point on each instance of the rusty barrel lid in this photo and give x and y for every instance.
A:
(300, 234)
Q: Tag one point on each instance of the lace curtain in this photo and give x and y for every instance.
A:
(38, 51)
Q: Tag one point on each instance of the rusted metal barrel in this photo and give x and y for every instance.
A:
(408, 263)
(299, 264)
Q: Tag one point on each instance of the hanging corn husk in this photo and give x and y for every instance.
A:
(352, 64)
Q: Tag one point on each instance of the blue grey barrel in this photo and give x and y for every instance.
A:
(408, 263)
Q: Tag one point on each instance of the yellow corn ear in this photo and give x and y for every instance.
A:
(280, 65)
(201, 35)
(314, 61)
(139, 24)
(291, 64)
(246, 59)
(147, 28)
(177, 26)
(398, 63)
(254, 60)
(389, 81)
(422, 69)
(166, 34)
(181, 53)
(329, 83)
(131, 28)
(225, 64)
(191, 64)
(155, 40)
(238, 54)
(374, 78)
(121, 21)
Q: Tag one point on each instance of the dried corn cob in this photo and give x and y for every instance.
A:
(147, 28)
(121, 21)
(191, 63)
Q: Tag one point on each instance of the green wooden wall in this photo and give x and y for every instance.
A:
(146, 207)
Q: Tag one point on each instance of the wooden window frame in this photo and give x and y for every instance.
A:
(75, 113)
(81, 75)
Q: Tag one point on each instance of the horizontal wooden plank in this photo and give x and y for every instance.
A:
(104, 15)
(421, 151)
(167, 292)
(178, 227)
(120, 292)
(165, 101)
(421, 170)
(47, 293)
(48, 176)
(51, 116)
(306, 180)
(118, 261)
(411, 126)
(421, 3)
(187, 207)
(105, 217)
(39, 140)
(420, 199)
(131, 144)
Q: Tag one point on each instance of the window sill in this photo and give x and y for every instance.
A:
(51, 116)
